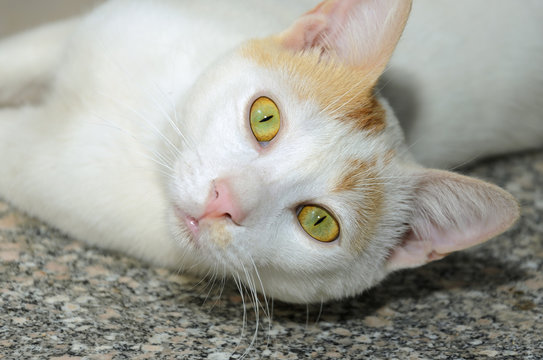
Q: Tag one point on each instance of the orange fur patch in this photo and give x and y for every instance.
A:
(220, 235)
(361, 177)
(356, 173)
(346, 93)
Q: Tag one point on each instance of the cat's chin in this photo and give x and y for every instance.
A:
(200, 231)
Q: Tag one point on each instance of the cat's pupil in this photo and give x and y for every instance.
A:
(269, 117)
(320, 220)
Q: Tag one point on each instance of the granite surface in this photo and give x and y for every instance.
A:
(60, 299)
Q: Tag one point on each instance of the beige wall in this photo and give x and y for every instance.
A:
(16, 15)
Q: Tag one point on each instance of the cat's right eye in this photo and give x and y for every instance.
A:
(265, 119)
(318, 223)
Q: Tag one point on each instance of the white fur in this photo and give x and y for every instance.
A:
(147, 107)
(472, 69)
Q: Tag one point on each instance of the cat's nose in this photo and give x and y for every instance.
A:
(222, 203)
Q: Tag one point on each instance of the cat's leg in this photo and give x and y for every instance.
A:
(28, 62)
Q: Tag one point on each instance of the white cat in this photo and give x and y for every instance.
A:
(158, 128)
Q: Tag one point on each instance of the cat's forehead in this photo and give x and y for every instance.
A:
(344, 93)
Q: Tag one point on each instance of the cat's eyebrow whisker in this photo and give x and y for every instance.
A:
(407, 149)
(339, 98)
(337, 111)
(468, 161)
(380, 87)
(405, 176)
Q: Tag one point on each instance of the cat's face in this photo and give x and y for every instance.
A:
(294, 178)
(321, 164)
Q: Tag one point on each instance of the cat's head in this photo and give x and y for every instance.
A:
(294, 177)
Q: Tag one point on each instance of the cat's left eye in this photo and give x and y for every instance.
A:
(265, 119)
(318, 223)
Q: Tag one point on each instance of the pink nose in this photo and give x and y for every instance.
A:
(223, 204)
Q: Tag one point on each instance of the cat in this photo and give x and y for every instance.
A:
(252, 139)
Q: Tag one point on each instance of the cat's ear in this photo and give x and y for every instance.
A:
(452, 212)
(362, 33)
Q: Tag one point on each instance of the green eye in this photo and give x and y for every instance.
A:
(318, 223)
(265, 119)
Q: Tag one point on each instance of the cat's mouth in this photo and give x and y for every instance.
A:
(193, 224)
(215, 227)
(190, 222)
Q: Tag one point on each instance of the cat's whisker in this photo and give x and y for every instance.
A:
(126, 75)
(340, 98)
(254, 297)
(165, 113)
(188, 141)
(405, 176)
(160, 159)
(180, 266)
(173, 123)
(407, 149)
(210, 283)
(468, 161)
(320, 312)
(159, 162)
(148, 123)
(239, 285)
(203, 279)
(266, 308)
(268, 337)
(306, 318)
(222, 285)
(169, 119)
(195, 265)
(380, 86)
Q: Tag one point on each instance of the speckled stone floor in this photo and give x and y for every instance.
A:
(60, 299)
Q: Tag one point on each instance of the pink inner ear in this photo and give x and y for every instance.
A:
(304, 33)
(435, 245)
(362, 33)
(452, 213)
(318, 25)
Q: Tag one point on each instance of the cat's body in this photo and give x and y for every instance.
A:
(128, 129)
